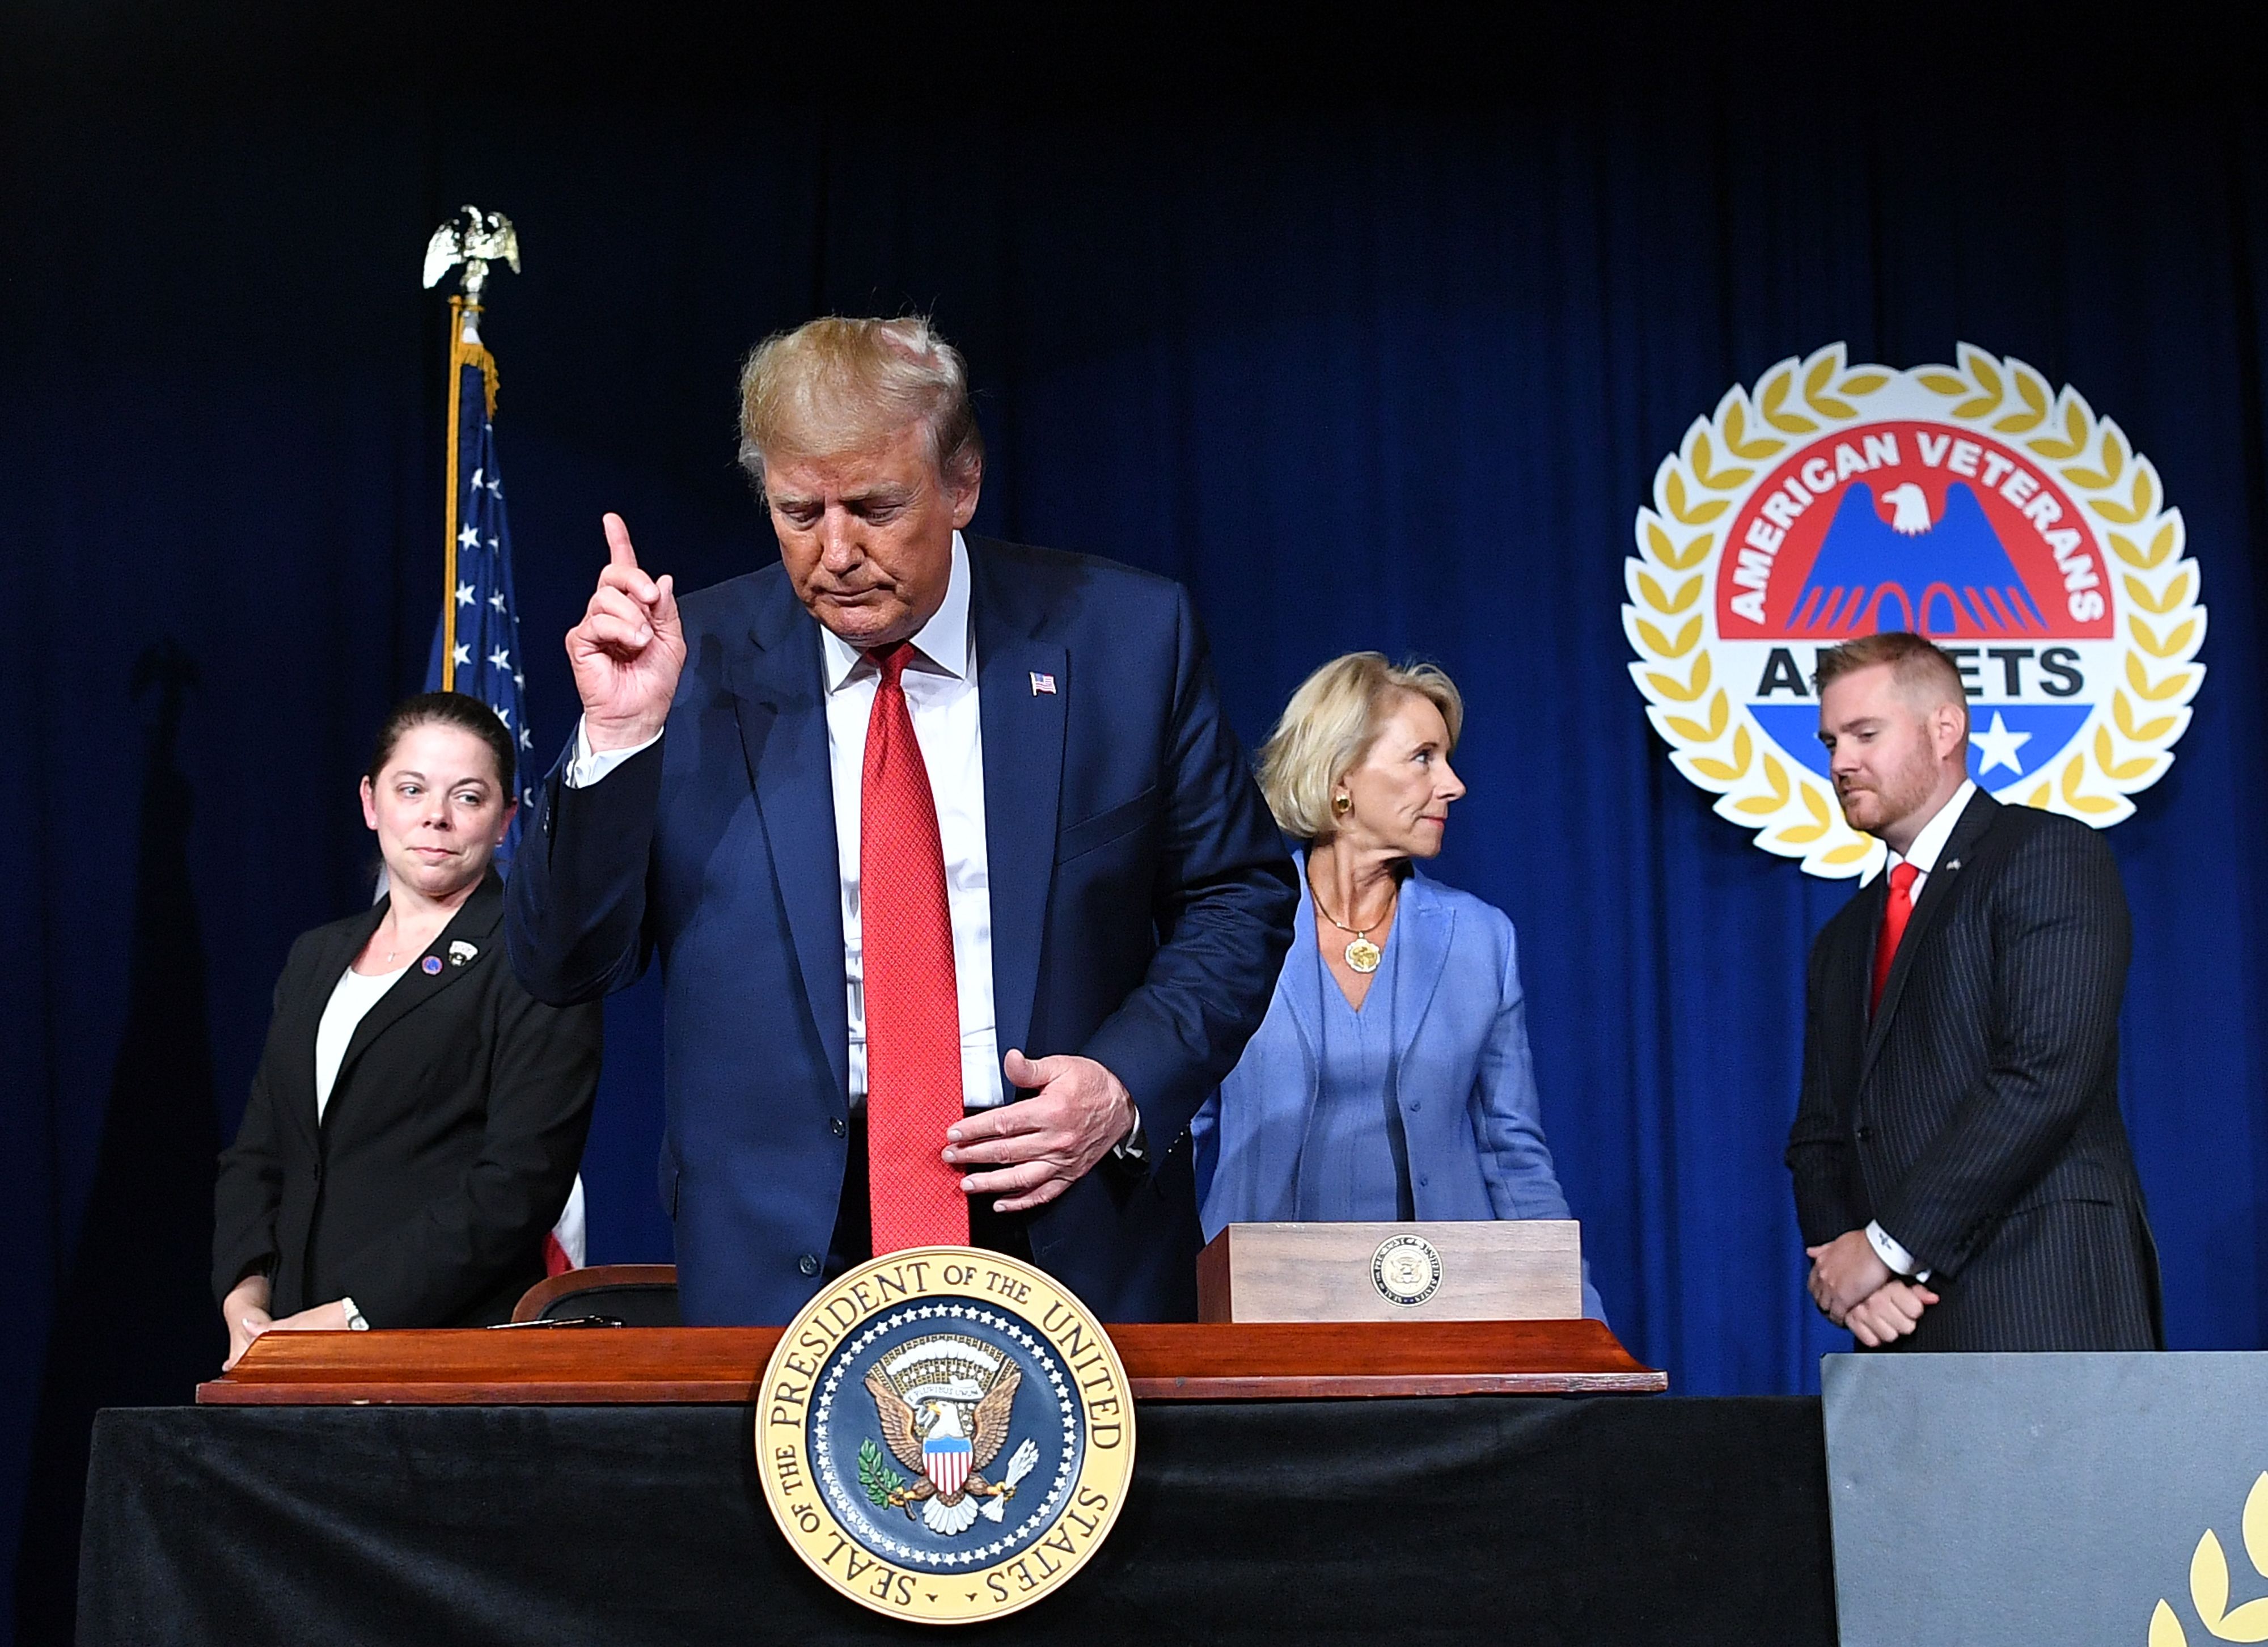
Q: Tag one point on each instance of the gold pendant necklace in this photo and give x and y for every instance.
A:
(1361, 954)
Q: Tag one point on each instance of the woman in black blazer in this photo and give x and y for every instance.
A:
(417, 1118)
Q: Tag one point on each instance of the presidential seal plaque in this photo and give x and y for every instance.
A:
(1406, 1269)
(945, 1434)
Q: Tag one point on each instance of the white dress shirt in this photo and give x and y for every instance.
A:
(352, 999)
(940, 687)
(1923, 855)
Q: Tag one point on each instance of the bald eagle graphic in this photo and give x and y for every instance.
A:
(1910, 572)
(948, 1443)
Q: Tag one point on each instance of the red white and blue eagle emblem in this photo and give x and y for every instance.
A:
(944, 1406)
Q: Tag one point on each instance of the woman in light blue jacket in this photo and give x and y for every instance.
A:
(1391, 1079)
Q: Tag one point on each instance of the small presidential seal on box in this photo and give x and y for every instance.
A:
(1405, 1269)
(945, 1434)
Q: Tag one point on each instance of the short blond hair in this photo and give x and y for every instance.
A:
(837, 385)
(1329, 727)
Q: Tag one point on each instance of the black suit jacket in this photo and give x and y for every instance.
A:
(1976, 1113)
(445, 1152)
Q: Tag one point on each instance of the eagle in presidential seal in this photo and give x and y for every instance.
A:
(943, 1403)
(1974, 504)
(945, 1434)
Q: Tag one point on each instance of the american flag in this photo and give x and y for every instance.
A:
(483, 660)
(487, 646)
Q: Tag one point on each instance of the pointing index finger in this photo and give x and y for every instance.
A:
(621, 552)
(619, 548)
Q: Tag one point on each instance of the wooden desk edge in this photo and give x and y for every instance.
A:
(740, 1392)
(722, 1366)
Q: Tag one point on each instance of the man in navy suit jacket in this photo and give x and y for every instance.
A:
(1962, 1176)
(1104, 850)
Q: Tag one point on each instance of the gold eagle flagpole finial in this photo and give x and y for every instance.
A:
(474, 239)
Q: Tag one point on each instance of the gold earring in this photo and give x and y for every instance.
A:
(1342, 804)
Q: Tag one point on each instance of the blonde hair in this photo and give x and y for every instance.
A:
(1330, 726)
(837, 385)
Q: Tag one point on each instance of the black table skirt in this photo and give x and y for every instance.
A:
(1484, 1519)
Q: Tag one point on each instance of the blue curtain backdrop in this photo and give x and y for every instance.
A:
(1373, 343)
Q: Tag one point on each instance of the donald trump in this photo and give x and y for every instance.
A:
(963, 891)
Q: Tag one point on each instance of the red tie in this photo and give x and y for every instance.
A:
(1896, 913)
(913, 1011)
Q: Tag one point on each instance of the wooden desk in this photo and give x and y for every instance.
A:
(1271, 1361)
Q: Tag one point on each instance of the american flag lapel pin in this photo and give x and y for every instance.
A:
(1042, 683)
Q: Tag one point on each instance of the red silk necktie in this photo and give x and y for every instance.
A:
(1896, 913)
(913, 1010)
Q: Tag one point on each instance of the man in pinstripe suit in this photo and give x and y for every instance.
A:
(1961, 1174)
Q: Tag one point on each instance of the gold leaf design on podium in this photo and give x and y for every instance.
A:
(2209, 1584)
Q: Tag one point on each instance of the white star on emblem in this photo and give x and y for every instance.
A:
(526, 740)
(497, 600)
(503, 713)
(469, 538)
(476, 478)
(1997, 746)
(495, 487)
(500, 658)
(492, 543)
(464, 594)
(461, 652)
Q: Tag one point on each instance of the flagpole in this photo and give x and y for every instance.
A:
(449, 514)
(472, 238)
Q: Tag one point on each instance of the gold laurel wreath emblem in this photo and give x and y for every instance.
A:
(2151, 585)
(2209, 1584)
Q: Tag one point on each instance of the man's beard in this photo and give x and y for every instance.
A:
(1904, 792)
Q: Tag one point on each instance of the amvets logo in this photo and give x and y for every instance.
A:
(1974, 505)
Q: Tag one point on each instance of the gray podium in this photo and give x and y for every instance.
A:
(2073, 1499)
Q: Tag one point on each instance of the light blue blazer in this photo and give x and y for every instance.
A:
(1467, 1084)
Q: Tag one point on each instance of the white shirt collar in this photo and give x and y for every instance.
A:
(1923, 854)
(943, 641)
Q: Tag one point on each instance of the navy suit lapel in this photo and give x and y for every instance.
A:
(1024, 730)
(780, 701)
(438, 967)
(1944, 882)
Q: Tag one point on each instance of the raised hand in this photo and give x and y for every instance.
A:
(629, 649)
